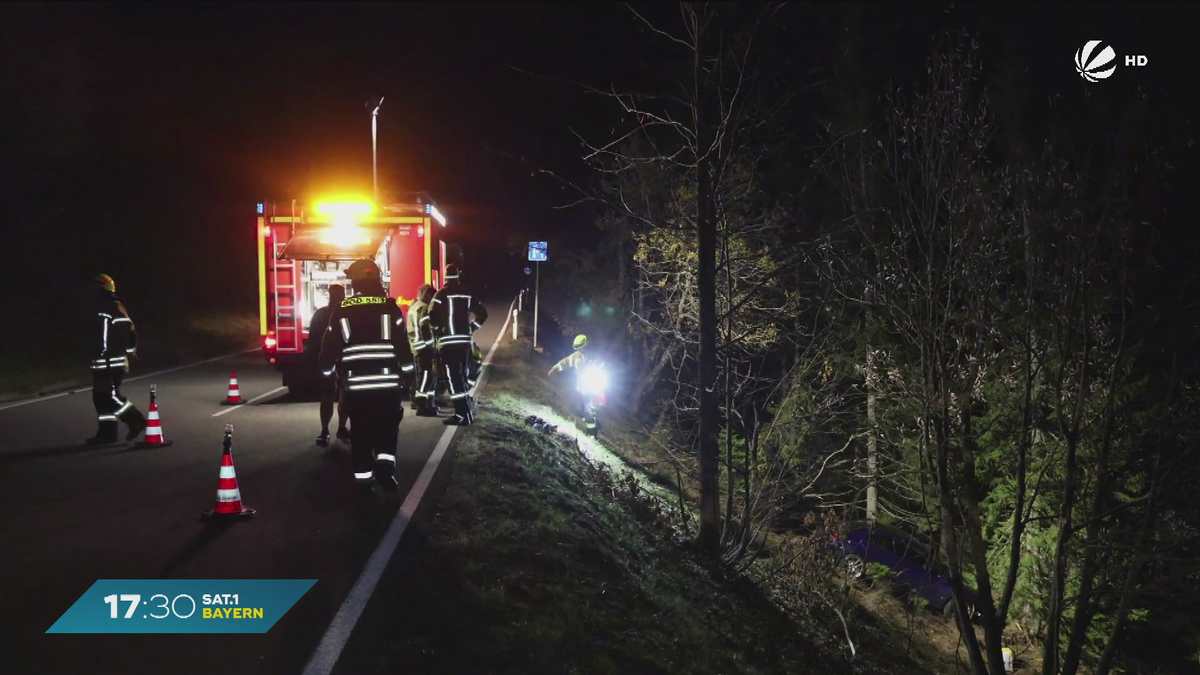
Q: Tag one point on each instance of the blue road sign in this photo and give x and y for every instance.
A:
(537, 251)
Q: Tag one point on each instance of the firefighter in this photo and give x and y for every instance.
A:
(116, 343)
(453, 324)
(368, 344)
(330, 391)
(420, 338)
(576, 361)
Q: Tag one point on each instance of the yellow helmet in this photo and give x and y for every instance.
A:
(106, 282)
(580, 341)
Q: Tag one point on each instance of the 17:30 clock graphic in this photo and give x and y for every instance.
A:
(182, 606)
(168, 605)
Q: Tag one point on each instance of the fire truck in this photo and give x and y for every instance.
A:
(304, 250)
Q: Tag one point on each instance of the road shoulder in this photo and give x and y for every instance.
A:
(536, 558)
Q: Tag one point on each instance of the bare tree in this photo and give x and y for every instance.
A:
(701, 130)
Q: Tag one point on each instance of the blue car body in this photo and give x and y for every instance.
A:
(911, 563)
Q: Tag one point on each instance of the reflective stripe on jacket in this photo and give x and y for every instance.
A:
(451, 312)
(117, 336)
(368, 343)
(420, 330)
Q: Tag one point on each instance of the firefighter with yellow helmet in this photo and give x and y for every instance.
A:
(591, 381)
(116, 343)
(368, 345)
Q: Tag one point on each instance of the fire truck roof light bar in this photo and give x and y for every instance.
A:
(437, 215)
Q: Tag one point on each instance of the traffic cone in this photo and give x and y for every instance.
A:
(154, 435)
(235, 395)
(229, 497)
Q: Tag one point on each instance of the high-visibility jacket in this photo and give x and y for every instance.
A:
(574, 361)
(451, 312)
(420, 330)
(367, 343)
(116, 335)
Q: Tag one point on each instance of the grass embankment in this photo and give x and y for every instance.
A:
(544, 556)
(60, 359)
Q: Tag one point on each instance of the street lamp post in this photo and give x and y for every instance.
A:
(374, 146)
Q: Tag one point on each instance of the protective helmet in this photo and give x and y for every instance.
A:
(362, 270)
(580, 341)
(106, 282)
(452, 271)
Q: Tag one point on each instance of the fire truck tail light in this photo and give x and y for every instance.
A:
(266, 231)
(269, 342)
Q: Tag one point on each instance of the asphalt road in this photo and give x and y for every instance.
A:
(70, 515)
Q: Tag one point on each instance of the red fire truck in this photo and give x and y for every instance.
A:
(305, 248)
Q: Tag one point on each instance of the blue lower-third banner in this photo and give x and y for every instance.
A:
(182, 606)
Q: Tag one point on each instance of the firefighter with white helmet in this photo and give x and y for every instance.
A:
(116, 342)
(368, 345)
(456, 314)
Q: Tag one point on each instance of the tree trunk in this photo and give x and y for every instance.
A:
(950, 538)
(729, 471)
(1052, 647)
(652, 375)
(872, 437)
(706, 224)
(993, 628)
(1026, 438)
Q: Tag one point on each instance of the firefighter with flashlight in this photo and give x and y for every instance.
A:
(591, 382)
(368, 345)
(453, 323)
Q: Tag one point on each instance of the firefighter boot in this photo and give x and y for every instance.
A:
(462, 414)
(136, 422)
(105, 434)
(385, 476)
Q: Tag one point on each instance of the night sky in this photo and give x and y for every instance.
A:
(137, 138)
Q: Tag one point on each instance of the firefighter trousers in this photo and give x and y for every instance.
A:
(110, 405)
(375, 417)
(425, 381)
(455, 357)
(474, 367)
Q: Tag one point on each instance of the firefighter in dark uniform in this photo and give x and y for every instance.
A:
(116, 343)
(456, 314)
(420, 338)
(331, 393)
(368, 344)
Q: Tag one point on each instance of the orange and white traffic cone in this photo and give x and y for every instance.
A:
(229, 497)
(235, 395)
(154, 435)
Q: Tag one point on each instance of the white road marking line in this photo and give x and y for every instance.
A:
(27, 401)
(330, 648)
(252, 401)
